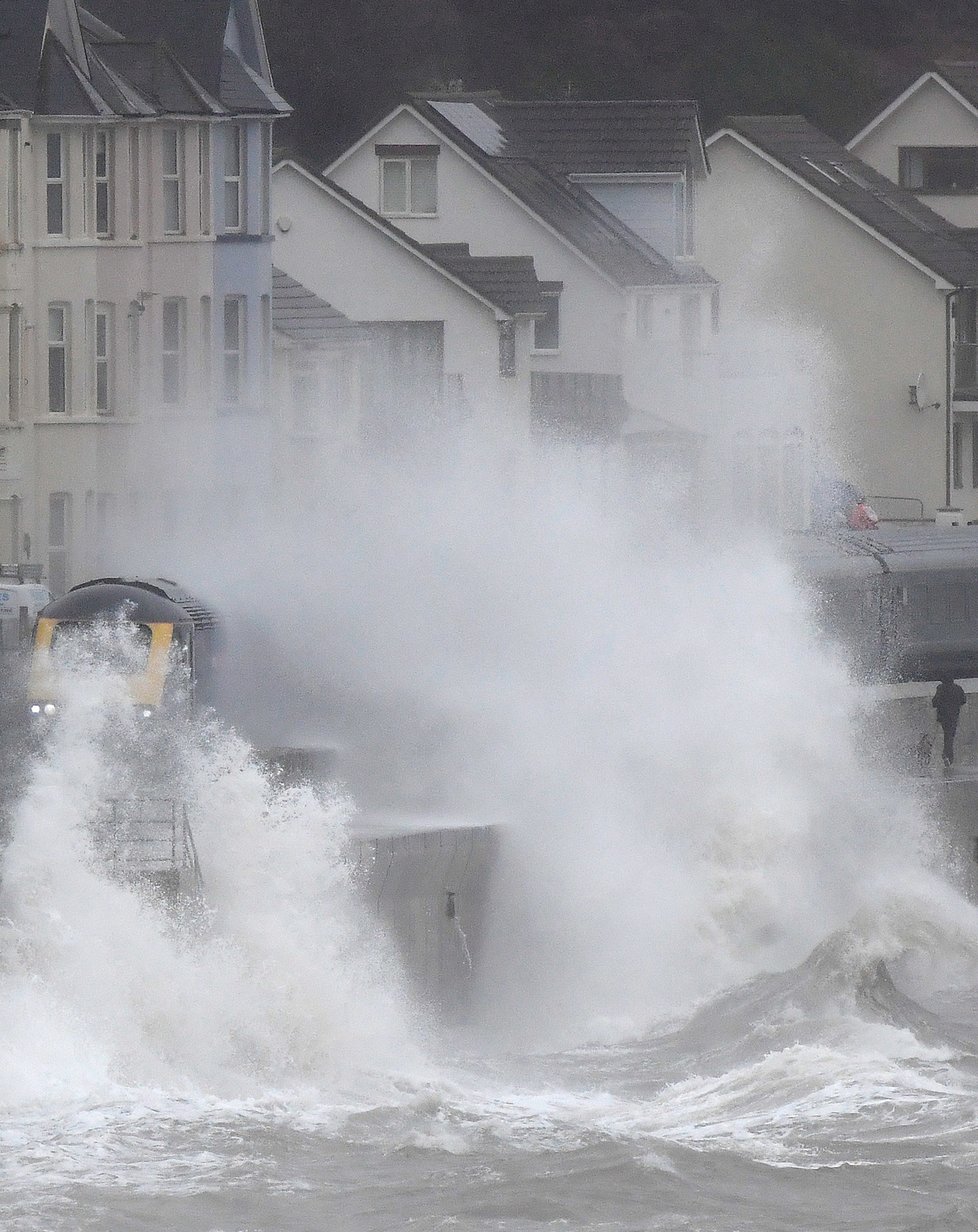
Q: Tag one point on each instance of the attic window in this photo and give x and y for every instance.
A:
(408, 180)
(939, 169)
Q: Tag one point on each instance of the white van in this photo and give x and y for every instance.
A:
(21, 598)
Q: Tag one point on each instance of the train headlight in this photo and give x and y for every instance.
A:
(50, 709)
(36, 708)
(146, 712)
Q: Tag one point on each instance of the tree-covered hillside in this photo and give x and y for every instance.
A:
(343, 63)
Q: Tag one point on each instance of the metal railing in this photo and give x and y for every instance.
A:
(144, 835)
(881, 504)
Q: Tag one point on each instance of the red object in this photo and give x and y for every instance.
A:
(862, 517)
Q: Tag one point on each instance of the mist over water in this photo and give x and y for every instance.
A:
(705, 857)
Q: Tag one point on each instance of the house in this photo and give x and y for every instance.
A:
(602, 196)
(135, 270)
(815, 245)
(447, 333)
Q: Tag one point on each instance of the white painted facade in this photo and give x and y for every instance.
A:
(793, 266)
(637, 333)
(931, 114)
(361, 268)
(117, 266)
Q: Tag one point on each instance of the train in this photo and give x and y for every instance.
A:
(171, 655)
(902, 599)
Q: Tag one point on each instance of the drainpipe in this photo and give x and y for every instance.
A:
(948, 395)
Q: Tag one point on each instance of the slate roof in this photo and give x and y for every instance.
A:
(301, 315)
(144, 59)
(533, 148)
(510, 282)
(892, 212)
(569, 136)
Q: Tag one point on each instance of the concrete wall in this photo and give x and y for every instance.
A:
(431, 891)
(789, 261)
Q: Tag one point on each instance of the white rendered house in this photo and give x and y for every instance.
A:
(135, 270)
(602, 196)
(811, 242)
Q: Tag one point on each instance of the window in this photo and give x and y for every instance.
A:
(204, 177)
(234, 324)
(939, 169)
(265, 179)
(656, 207)
(233, 177)
(172, 142)
(174, 314)
(103, 339)
(507, 348)
(59, 533)
(134, 317)
(546, 329)
(103, 183)
(134, 183)
(408, 179)
(206, 349)
(57, 175)
(58, 343)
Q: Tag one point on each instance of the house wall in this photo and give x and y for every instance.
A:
(474, 209)
(368, 276)
(787, 259)
(96, 459)
(930, 117)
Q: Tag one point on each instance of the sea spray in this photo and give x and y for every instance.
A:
(290, 984)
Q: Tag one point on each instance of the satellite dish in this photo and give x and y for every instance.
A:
(920, 394)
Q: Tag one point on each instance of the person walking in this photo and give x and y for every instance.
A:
(947, 701)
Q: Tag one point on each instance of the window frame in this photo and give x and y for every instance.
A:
(173, 181)
(173, 358)
(552, 318)
(932, 153)
(234, 357)
(102, 183)
(103, 359)
(408, 162)
(235, 141)
(56, 186)
(60, 346)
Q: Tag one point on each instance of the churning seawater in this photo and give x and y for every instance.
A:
(725, 986)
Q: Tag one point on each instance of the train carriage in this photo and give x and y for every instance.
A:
(168, 652)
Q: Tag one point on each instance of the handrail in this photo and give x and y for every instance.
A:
(915, 500)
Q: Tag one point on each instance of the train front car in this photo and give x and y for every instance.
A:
(149, 632)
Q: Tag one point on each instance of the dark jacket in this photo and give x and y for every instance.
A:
(947, 701)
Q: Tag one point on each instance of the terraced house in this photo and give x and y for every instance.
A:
(135, 271)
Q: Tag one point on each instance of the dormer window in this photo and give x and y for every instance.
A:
(939, 169)
(657, 206)
(408, 180)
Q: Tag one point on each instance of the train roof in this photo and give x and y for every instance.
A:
(888, 549)
(151, 600)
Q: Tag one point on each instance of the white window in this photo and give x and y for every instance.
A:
(57, 183)
(265, 178)
(204, 177)
(58, 348)
(102, 358)
(206, 348)
(234, 339)
(59, 536)
(546, 330)
(234, 157)
(408, 181)
(172, 151)
(103, 183)
(174, 331)
(134, 183)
